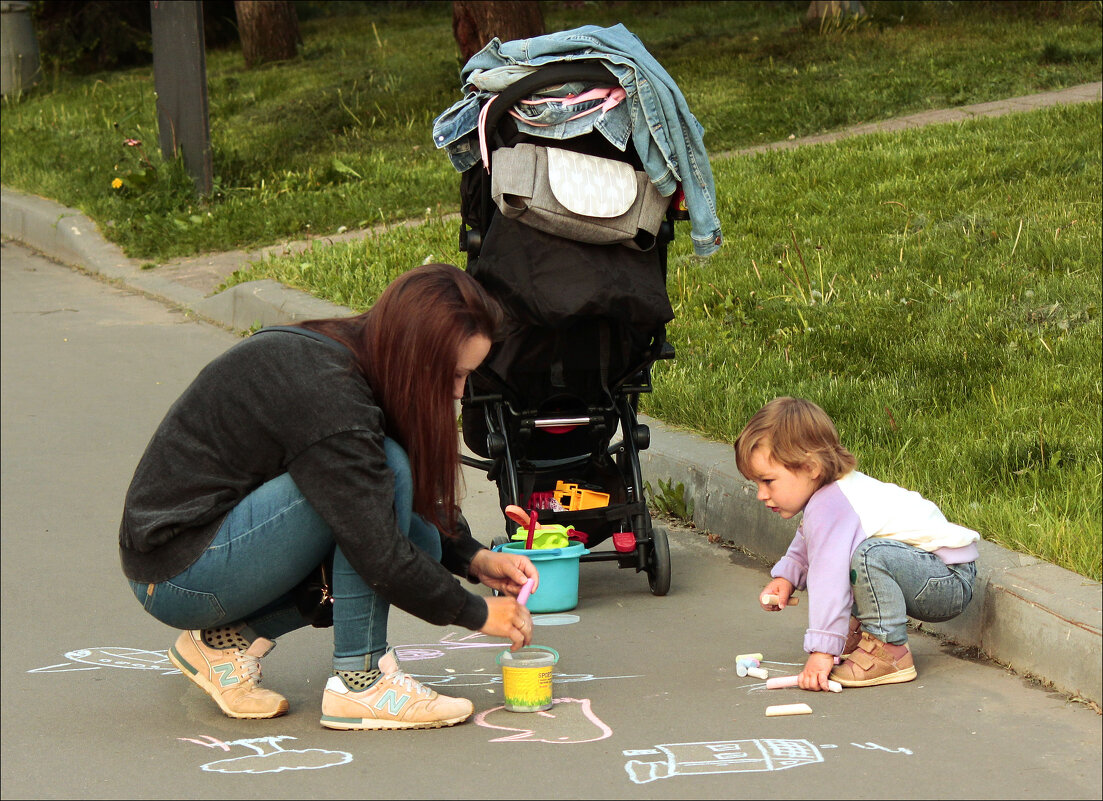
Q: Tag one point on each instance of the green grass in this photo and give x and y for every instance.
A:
(937, 291)
(955, 331)
(340, 136)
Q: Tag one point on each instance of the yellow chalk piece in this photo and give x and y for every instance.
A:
(788, 709)
(748, 656)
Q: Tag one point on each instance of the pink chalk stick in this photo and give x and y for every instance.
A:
(781, 682)
(526, 591)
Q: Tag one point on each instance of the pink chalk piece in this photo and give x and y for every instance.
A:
(781, 682)
(526, 591)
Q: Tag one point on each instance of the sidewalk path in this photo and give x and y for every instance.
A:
(1038, 619)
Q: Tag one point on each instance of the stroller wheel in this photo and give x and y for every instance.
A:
(658, 562)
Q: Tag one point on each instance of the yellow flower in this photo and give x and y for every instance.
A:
(117, 183)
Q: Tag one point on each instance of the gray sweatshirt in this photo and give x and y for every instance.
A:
(285, 403)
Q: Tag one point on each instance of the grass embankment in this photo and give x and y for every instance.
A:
(340, 136)
(937, 291)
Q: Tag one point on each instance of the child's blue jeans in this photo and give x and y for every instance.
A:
(264, 548)
(893, 580)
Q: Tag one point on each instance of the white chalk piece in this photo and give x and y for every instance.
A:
(788, 709)
(771, 600)
(758, 673)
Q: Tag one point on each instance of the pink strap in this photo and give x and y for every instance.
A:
(574, 100)
(613, 96)
(482, 132)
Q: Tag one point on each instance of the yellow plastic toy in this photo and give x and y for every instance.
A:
(572, 498)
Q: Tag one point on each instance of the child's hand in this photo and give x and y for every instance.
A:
(816, 670)
(780, 587)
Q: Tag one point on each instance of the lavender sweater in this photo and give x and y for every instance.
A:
(837, 518)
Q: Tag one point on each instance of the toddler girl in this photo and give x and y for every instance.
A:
(869, 553)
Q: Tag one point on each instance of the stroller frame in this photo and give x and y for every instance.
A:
(515, 427)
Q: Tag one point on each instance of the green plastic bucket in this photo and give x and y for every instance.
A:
(558, 590)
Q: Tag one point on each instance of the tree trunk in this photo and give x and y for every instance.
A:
(821, 12)
(269, 30)
(476, 23)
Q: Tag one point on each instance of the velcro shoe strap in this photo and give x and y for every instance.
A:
(260, 647)
(862, 660)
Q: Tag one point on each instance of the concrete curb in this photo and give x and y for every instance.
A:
(1032, 616)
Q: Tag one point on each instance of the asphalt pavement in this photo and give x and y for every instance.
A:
(648, 701)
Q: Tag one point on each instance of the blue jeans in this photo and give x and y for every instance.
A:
(893, 580)
(265, 547)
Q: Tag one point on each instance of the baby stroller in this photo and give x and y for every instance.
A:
(551, 415)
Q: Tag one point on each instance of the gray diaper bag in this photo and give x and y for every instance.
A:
(577, 196)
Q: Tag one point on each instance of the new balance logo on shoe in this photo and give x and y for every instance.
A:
(226, 677)
(392, 701)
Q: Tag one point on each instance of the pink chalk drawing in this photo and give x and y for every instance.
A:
(569, 721)
(268, 755)
(449, 642)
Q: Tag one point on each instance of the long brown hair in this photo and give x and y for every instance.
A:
(797, 433)
(407, 346)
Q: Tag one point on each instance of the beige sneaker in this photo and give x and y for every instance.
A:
(396, 701)
(231, 677)
(870, 664)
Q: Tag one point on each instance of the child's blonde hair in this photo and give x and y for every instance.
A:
(797, 433)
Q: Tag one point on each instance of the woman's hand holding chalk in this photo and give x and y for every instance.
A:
(772, 600)
(526, 591)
